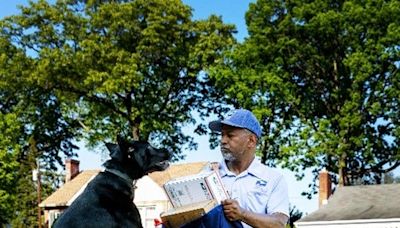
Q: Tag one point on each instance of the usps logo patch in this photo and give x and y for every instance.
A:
(261, 183)
(261, 186)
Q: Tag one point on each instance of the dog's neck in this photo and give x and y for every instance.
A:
(123, 176)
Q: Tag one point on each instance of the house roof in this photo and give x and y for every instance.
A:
(359, 202)
(66, 192)
(73, 188)
(178, 170)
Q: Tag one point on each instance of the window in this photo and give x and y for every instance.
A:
(148, 213)
(53, 215)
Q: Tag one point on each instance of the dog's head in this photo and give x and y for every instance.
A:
(138, 158)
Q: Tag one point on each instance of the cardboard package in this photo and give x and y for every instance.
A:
(195, 188)
(192, 197)
(177, 217)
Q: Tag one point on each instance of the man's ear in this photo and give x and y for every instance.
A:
(115, 151)
(253, 140)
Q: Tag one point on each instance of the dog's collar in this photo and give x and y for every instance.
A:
(122, 175)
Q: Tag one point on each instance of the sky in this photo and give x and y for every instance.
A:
(232, 11)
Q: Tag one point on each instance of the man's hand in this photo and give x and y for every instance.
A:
(232, 210)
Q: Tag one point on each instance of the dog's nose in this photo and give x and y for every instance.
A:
(169, 154)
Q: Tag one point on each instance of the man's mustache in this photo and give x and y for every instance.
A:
(225, 150)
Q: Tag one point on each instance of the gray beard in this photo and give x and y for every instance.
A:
(227, 155)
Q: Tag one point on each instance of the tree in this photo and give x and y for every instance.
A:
(94, 69)
(31, 127)
(8, 165)
(129, 67)
(390, 178)
(323, 78)
(25, 208)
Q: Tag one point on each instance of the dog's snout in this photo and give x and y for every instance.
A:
(164, 153)
(168, 154)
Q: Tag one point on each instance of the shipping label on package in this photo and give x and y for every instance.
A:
(195, 188)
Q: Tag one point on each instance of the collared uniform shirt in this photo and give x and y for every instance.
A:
(259, 189)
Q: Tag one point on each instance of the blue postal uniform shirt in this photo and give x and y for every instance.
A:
(259, 189)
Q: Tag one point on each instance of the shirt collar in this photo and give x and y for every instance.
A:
(255, 169)
(224, 171)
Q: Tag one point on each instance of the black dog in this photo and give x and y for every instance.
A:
(108, 199)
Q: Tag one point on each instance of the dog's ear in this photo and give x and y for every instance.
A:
(123, 144)
(120, 140)
(115, 151)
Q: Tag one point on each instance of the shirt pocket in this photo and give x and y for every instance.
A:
(257, 201)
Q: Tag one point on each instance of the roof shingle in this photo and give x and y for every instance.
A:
(178, 170)
(65, 193)
(69, 189)
(360, 202)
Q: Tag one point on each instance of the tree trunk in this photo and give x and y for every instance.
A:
(342, 170)
(135, 128)
(264, 152)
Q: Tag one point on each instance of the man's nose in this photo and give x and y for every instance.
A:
(223, 139)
